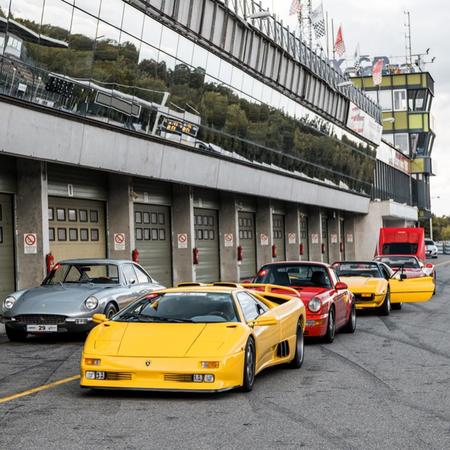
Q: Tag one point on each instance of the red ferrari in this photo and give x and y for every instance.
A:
(330, 306)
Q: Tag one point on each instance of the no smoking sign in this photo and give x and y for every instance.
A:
(119, 242)
(30, 243)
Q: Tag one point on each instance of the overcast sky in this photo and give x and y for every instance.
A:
(378, 27)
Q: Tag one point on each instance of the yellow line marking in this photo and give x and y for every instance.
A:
(38, 389)
(443, 263)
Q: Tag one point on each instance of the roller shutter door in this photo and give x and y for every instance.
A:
(279, 238)
(153, 241)
(7, 283)
(77, 228)
(247, 239)
(304, 237)
(207, 242)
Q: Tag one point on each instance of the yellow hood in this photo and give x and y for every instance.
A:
(365, 285)
(165, 340)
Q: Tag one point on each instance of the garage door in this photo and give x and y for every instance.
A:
(279, 237)
(207, 242)
(326, 254)
(153, 241)
(76, 228)
(304, 237)
(7, 284)
(247, 239)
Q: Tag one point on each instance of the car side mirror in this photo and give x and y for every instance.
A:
(132, 282)
(266, 320)
(403, 276)
(340, 286)
(99, 318)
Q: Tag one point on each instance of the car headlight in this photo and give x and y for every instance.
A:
(91, 303)
(8, 303)
(314, 305)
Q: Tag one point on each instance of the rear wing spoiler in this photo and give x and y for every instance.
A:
(270, 288)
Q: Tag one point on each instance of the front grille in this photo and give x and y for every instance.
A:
(118, 376)
(360, 298)
(40, 319)
(180, 378)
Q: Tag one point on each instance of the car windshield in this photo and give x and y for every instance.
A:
(429, 242)
(83, 273)
(358, 269)
(294, 275)
(398, 261)
(181, 307)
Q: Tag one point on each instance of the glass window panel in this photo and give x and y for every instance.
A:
(138, 234)
(147, 234)
(50, 214)
(90, 6)
(154, 218)
(57, 14)
(237, 78)
(155, 234)
(84, 234)
(199, 57)
(133, 21)
(225, 72)
(73, 234)
(162, 234)
(94, 234)
(185, 50)
(28, 10)
(152, 32)
(84, 24)
(62, 234)
(169, 41)
(161, 219)
(146, 217)
(61, 214)
(93, 215)
(385, 99)
(72, 215)
(213, 66)
(138, 217)
(51, 234)
(112, 12)
(83, 215)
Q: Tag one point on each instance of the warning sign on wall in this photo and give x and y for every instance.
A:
(30, 243)
(182, 240)
(334, 238)
(119, 242)
(264, 239)
(350, 237)
(292, 238)
(314, 238)
(228, 240)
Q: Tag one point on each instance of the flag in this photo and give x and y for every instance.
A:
(377, 72)
(339, 46)
(295, 7)
(318, 22)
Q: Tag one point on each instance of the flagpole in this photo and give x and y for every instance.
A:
(332, 39)
(328, 37)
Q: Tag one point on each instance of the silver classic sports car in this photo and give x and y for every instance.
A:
(71, 294)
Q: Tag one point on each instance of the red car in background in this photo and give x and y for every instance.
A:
(330, 306)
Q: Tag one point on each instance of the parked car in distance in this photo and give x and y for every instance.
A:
(71, 294)
(431, 249)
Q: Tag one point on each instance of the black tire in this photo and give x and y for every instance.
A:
(299, 356)
(249, 366)
(385, 308)
(396, 306)
(110, 310)
(331, 327)
(350, 326)
(15, 335)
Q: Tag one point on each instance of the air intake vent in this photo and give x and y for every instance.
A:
(283, 349)
(118, 376)
(178, 377)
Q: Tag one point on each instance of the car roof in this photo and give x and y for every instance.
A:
(95, 261)
(203, 289)
(297, 263)
(400, 256)
(358, 262)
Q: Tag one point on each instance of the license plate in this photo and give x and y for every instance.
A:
(42, 328)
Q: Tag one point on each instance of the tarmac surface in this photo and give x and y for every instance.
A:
(385, 387)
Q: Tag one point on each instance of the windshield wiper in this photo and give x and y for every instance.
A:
(171, 319)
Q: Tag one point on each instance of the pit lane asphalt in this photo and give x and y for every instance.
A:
(386, 386)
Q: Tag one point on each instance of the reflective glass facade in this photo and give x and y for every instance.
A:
(108, 61)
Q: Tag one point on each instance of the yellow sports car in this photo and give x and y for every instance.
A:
(375, 285)
(195, 338)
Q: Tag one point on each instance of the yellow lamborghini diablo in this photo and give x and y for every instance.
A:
(194, 338)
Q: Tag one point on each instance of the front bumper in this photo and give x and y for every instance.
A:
(64, 324)
(374, 302)
(162, 374)
(316, 324)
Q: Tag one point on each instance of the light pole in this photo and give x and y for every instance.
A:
(12, 80)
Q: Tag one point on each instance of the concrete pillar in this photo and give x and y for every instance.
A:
(292, 224)
(182, 223)
(315, 235)
(120, 216)
(333, 237)
(349, 237)
(228, 236)
(31, 219)
(264, 235)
